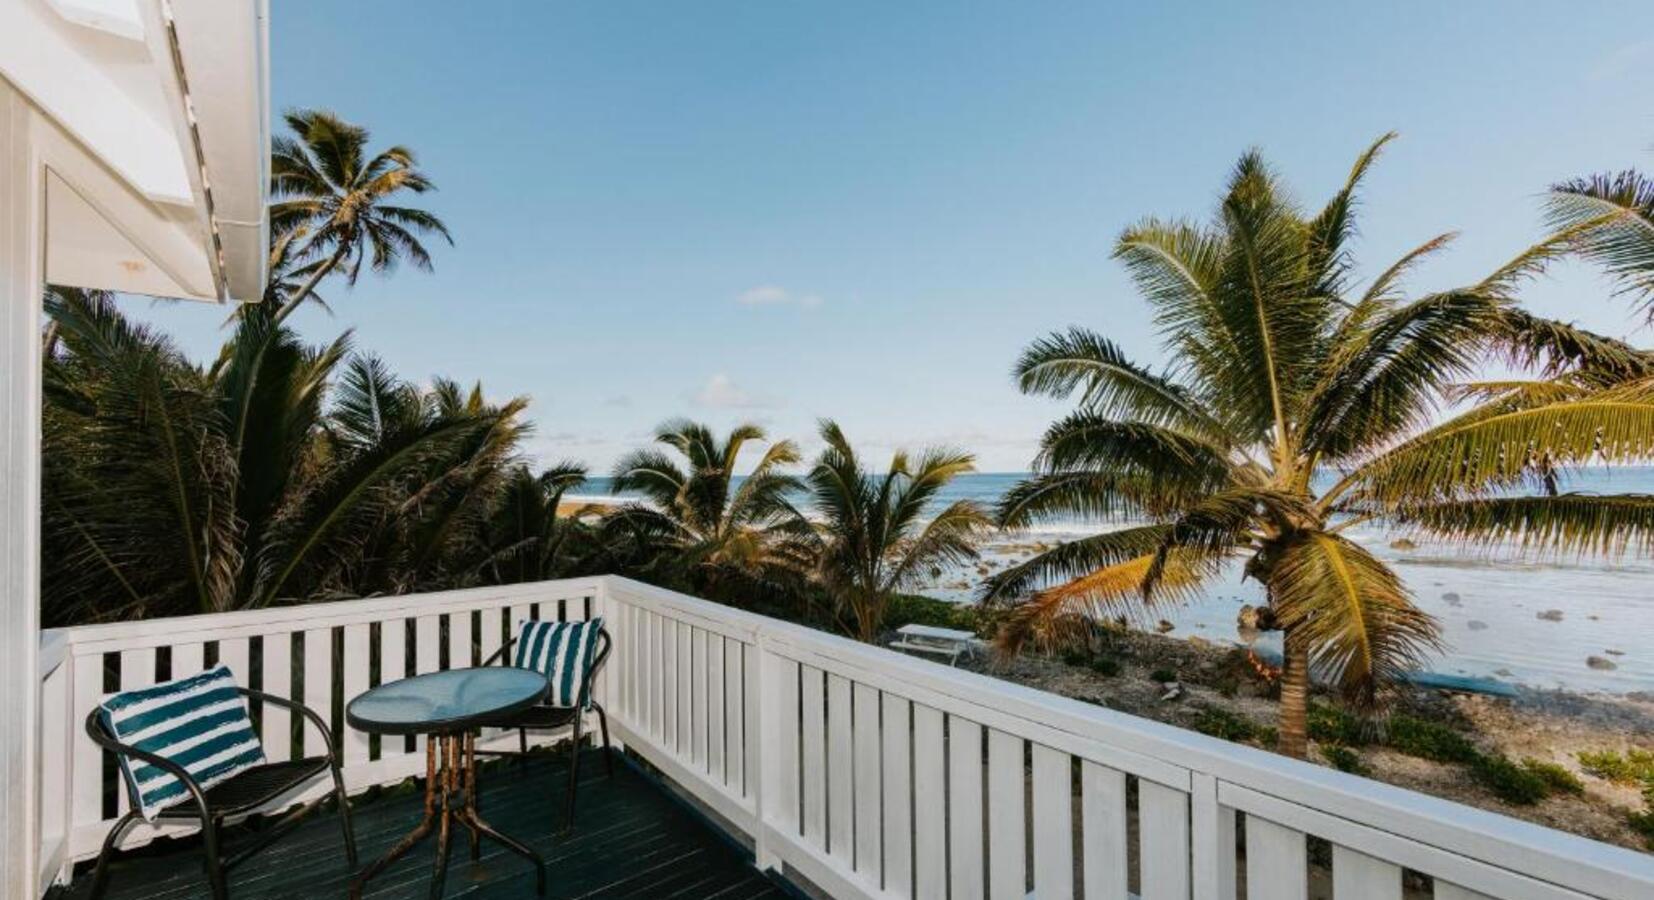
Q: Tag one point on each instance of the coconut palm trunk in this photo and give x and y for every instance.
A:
(1294, 714)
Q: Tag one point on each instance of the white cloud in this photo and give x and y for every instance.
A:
(775, 295)
(721, 392)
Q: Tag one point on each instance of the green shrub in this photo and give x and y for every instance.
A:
(1508, 781)
(1075, 658)
(1428, 740)
(1557, 778)
(1221, 723)
(1643, 824)
(1343, 759)
(1631, 768)
(1332, 725)
(1106, 666)
(1163, 675)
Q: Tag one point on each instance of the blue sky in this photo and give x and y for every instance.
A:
(781, 211)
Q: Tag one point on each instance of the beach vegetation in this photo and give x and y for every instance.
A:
(1558, 779)
(1343, 759)
(878, 534)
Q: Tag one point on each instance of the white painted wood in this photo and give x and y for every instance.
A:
(965, 846)
(459, 641)
(930, 853)
(785, 724)
(868, 790)
(1446, 891)
(753, 736)
(493, 633)
(1212, 850)
(86, 761)
(700, 728)
(235, 654)
(896, 768)
(354, 743)
(1163, 842)
(1357, 876)
(812, 697)
(189, 658)
(427, 644)
(685, 703)
(1103, 827)
(318, 685)
(655, 678)
(717, 690)
(670, 708)
(1007, 817)
(1276, 862)
(735, 701)
(275, 727)
(137, 671)
(840, 783)
(1053, 791)
(22, 261)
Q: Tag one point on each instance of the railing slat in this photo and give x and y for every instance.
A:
(840, 786)
(869, 789)
(1276, 862)
(427, 644)
(493, 628)
(276, 727)
(812, 698)
(1053, 824)
(701, 730)
(735, 743)
(137, 671)
(1357, 876)
(965, 808)
(86, 803)
(718, 688)
(1007, 817)
(787, 796)
(318, 684)
(1163, 850)
(234, 653)
(189, 659)
(669, 684)
(356, 662)
(459, 641)
(684, 663)
(658, 648)
(896, 767)
(1103, 825)
(930, 852)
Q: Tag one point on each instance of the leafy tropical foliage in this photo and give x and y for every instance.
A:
(1282, 366)
(723, 538)
(879, 532)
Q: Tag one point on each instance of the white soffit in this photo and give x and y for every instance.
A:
(159, 125)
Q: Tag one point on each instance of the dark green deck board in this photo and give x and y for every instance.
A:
(633, 841)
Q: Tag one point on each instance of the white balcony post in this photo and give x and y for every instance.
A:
(22, 229)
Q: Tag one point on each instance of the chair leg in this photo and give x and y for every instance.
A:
(522, 741)
(608, 754)
(344, 815)
(215, 867)
(574, 777)
(100, 875)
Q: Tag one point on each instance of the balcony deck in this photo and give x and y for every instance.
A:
(633, 840)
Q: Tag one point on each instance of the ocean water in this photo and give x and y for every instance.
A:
(1505, 613)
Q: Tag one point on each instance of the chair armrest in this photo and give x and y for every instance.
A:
(499, 655)
(307, 712)
(100, 736)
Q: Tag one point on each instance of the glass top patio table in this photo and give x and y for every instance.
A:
(439, 702)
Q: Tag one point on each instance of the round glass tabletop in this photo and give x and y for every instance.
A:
(446, 701)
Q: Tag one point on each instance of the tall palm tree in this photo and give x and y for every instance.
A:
(528, 538)
(726, 537)
(1283, 368)
(1610, 218)
(331, 206)
(878, 532)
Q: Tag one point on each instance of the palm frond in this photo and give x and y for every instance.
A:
(1597, 524)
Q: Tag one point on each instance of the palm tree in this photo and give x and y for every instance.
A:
(726, 539)
(172, 489)
(1281, 369)
(331, 207)
(1609, 219)
(527, 537)
(878, 536)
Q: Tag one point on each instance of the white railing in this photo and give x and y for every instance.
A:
(871, 774)
(877, 775)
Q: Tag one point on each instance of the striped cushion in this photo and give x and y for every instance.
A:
(562, 650)
(199, 722)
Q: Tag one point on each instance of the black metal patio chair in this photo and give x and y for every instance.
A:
(550, 716)
(243, 793)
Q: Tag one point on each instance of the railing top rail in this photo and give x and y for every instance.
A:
(1558, 857)
(115, 636)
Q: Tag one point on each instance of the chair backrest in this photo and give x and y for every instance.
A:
(199, 722)
(567, 652)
